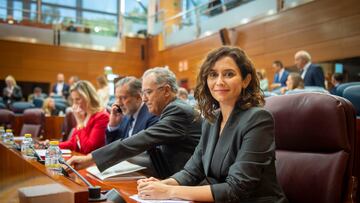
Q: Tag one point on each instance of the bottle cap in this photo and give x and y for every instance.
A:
(8, 130)
(54, 142)
(27, 135)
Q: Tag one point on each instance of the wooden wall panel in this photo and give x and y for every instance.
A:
(328, 29)
(33, 62)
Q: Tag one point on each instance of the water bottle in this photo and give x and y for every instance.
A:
(52, 156)
(26, 146)
(9, 138)
(2, 133)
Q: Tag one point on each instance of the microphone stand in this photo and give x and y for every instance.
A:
(94, 191)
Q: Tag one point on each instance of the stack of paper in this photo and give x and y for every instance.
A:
(123, 170)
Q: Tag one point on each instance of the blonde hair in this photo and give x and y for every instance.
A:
(46, 106)
(11, 78)
(88, 92)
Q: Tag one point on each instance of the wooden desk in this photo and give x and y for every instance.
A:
(17, 172)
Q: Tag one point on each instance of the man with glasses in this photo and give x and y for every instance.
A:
(175, 135)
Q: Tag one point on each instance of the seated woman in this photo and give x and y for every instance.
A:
(293, 82)
(49, 107)
(12, 92)
(91, 119)
(236, 152)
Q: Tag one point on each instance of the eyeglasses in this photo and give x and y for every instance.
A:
(147, 92)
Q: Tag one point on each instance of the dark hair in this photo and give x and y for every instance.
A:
(278, 63)
(339, 77)
(133, 83)
(250, 96)
(298, 82)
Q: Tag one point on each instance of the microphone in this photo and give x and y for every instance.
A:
(94, 191)
(38, 157)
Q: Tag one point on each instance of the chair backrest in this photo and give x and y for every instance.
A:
(38, 103)
(34, 121)
(69, 124)
(20, 107)
(315, 139)
(352, 93)
(7, 118)
(340, 89)
(2, 105)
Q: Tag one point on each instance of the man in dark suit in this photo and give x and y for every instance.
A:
(176, 133)
(136, 114)
(280, 76)
(60, 88)
(312, 74)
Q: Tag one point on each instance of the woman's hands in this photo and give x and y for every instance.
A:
(79, 114)
(152, 188)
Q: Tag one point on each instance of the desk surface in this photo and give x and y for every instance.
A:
(17, 172)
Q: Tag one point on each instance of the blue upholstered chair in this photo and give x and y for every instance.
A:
(38, 103)
(340, 89)
(352, 93)
(20, 107)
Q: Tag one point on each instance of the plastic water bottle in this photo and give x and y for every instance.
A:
(9, 138)
(2, 133)
(52, 156)
(26, 146)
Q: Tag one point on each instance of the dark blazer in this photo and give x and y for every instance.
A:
(176, 133)
(15, 96)
(283, 78)
(239, 165)
(314, 76)
(144, 120)
(65, 90)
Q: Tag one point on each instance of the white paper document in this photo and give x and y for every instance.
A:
(42, 152)
(138, 199)
(122, 170)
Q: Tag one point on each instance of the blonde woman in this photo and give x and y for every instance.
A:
(12, 92)
(49, 107)
(91, 119)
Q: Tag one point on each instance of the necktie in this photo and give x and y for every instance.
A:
(131, 121)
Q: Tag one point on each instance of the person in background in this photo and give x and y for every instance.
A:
(312, 74)
(293, 82)
(103, 90)
(91, 119)
(134, 115)
(37, 94)
(183, 94)
(12, 92)
(176, 133)
(60, 88)
(72, 80)
(49, 107)
(264, 83)
(336, 80)
(71, 27)
(236, 153)
(280, 76)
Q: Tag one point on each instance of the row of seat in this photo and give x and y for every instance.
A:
(317, 147)
(34, 122)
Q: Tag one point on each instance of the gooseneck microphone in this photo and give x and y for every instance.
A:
(94, 191)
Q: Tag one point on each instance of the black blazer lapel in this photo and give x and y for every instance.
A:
(210, 145)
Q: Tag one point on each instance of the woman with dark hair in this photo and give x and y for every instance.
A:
(236, 153)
